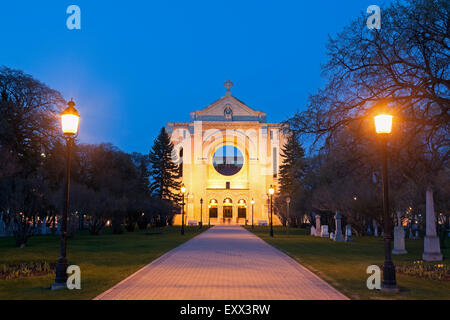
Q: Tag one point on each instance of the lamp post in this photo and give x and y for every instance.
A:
(271, 192)
(253, 207)
(288, 203)
(201, 213)
(183, 191)
(209, 216)
(70, 119)
(383, 126)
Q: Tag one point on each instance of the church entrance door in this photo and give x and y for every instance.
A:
(228, 212)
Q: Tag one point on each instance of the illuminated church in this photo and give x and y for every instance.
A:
(230, 157)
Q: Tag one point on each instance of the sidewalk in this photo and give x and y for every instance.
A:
(223, 263)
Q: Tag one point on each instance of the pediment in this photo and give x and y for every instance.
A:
(228, 108)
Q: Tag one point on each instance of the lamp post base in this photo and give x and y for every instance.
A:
(389, 288)
(58, 286)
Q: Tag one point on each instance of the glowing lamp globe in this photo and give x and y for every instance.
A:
(253, 201)
(183, 189)
(383, 123)
(271, 190)
(70, 119)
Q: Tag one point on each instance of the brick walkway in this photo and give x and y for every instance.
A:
(223, 263)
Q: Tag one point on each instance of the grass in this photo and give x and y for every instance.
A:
(107, 259)
(104, 260)
(344, 264)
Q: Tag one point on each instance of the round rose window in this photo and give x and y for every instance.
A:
(228, 160)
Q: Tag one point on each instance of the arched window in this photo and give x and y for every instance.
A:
(242, 209)
(212, 208)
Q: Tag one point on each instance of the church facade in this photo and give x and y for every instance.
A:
(230, 157)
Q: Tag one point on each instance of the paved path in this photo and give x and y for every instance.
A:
(223, 263)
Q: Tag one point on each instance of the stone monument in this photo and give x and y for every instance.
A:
(44, 226)
(432, 249)
(318, 225)
(399, 237)
(324, 231)
(375, 228)
(338, 235)
(348, 233)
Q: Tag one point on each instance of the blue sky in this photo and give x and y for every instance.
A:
(136, 65)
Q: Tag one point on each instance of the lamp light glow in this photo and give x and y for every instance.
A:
(271, 190)
(183, 189)
(70, 119)
(383, 123)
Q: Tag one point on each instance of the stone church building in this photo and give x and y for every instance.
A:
(230, 157)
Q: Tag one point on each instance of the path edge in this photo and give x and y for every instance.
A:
(145, 267)
(295, 262)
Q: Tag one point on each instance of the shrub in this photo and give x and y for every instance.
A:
(440, 272)
(28, 269)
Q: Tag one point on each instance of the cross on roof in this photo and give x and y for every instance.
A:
(228, 84)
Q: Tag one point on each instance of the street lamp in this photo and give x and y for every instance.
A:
(253, 207)
(70, 119)
(183, 191)
(288, 203)
(383, 126)
(209, 216)
(271, 192)
(383, 123)
(201, 213)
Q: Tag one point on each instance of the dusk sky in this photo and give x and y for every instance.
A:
(136, 65)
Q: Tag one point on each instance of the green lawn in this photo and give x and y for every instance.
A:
(107, 259)
(104, 260)
(344, 264)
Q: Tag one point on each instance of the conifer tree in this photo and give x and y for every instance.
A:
(293, 165)
(164, 172)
